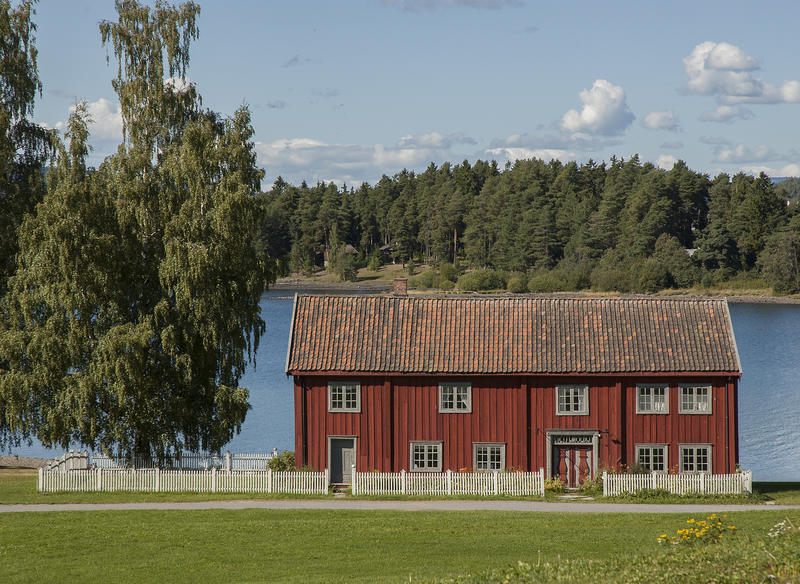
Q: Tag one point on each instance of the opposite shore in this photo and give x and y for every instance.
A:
(325, 283)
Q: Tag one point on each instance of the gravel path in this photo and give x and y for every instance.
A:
(445, 505)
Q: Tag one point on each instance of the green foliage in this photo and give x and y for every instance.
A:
(554, 485)
(448, 271)
(446, 284)
(426, 280)
(778, 262)
(283, 462)
(375, 262)
(547, 281)
(482, 280)
(134, 308)
(517, 283)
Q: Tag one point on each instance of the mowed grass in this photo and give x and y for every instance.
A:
(317, 545)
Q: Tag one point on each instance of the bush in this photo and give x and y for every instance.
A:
(554, 485)
(448, 271)
(425, 280)
(375, 262)
(546, 281)
(482, 280)
(517, 284)
(447, 285)
(283, 462)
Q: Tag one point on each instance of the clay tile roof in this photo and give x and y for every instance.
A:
(509, 334)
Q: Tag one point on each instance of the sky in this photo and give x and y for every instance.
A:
(347, 91)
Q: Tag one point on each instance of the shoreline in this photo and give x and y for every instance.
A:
(302, 283)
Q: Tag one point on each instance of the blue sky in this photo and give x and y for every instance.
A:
(348, 91)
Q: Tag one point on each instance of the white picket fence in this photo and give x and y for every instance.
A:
(185, 460)
(679, 484)
(174, 481)
(447, 483)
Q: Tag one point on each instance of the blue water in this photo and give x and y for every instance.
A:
(768, 337)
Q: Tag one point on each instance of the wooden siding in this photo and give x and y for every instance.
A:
(517, 411)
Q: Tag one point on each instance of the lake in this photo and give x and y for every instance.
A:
(768, 336)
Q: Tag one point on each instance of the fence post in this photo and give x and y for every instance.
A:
(353, 480)
(605, 483)
(449, 481)
(496, 481)
(702, 482)
(327, 481)
(99, 479)
(41, 479)
(402, 481)
(228, 460)
(158, 479)
(269, 480)
(748, 481)
(541, 481)
(214, 479)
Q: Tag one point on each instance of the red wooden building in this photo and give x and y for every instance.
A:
(570, 385)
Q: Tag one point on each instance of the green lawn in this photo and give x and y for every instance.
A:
(318, 546)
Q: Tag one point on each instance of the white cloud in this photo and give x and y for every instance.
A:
(726, 114)
(433, 140)
(792, 169)
(512, 154)
(106, 119)
(178, 84)
(744, 154)
(308, 159)
(666, 161)
(604, 111)
(664, 120)
(724, 71)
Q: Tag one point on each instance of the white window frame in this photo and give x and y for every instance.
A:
(642, 388)
(650, 448)
(459, 406)
(345, 387)
(427, 447)
(682, 462)
(584, 389)
(476, 446)
(694, 406)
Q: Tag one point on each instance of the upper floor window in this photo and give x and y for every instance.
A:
(652, 456)
(455, 397)
(489, 457)
(695, 457)
(426, 456)
(572, 400)
(652, 399)
(344, 396)
(695, 399)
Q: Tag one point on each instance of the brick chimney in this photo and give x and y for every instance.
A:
(400, 287)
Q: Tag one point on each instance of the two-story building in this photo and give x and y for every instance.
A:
(569, 384)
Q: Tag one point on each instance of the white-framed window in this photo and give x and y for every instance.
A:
(488, 456)
(652, 456)
(695, 399)
(344, 396)
(695, 457)
(652, 399)
(426, 457)
(455, 397)
(572, 400)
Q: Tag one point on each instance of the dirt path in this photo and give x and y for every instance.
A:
(446, 505)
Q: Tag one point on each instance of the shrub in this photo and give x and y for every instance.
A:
(546, 281)
(425, 280)
(447, 285)
(283, 462)
(517, 284)
(637, 468)
(554, 485)
(482, 280)
(375, 262)
(709, 530)
(448, 271)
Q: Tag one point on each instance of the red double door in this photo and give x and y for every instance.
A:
(573, 464)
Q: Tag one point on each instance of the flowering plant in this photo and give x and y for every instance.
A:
(708, 530)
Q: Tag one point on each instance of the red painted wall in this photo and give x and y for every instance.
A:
(515, 410)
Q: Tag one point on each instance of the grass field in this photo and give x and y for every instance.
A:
(318, 546)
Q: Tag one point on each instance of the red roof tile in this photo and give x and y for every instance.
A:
(519, 334)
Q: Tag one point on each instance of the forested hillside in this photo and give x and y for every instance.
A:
(544, 226)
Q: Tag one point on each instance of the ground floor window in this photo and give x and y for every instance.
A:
(489, 457)
(426, 456)
(695, 457)
(652, 456)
